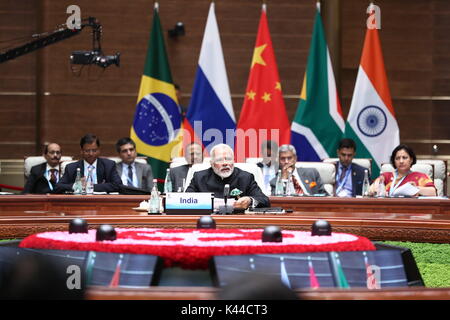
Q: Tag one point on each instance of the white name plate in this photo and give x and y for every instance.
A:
(189, 201)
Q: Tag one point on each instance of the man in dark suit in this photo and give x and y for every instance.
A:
(104, 173)
(349, 176)
(132, 173)
(193, 154)
(303, 181)
(223, 172)
(44, 177)
(269, 163)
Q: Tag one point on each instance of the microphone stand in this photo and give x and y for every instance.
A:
(225, 209)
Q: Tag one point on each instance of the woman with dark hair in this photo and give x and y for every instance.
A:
(402, 159)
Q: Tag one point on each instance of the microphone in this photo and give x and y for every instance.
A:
(225, 209)
(226, 192)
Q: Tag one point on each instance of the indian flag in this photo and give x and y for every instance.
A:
(371, 120)
(318, 124)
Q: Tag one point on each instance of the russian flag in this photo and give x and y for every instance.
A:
(210, 114)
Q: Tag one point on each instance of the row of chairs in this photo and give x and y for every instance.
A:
(435, 169)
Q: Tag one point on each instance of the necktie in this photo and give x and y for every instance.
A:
(343, 172)
(297, 187)
(130, 176)
(53, 178)
(91, 173)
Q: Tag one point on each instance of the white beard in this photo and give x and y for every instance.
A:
(221, 174)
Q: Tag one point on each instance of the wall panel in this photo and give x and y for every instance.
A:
(414, 39)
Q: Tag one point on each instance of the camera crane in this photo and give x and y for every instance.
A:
(77, 57)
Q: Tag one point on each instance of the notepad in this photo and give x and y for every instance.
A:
(407, 190)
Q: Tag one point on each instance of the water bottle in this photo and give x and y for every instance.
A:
(366, 184)
(279, 188)
(167, 183)
(154, 199)
(77, 188)
(290, 190)
(381, 188)
(89, 182)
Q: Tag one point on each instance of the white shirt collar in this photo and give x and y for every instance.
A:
(86, 164)
(124, 165)
(273, 165)
(48, 168)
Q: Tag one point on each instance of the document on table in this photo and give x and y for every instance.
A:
(407, 190)
(433, 197)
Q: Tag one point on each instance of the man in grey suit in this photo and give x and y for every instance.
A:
(304, 181)
(132, 173)
(193, 154)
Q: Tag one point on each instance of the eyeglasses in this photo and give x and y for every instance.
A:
(54, 152)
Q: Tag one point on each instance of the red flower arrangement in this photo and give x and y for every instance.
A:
(193, 248)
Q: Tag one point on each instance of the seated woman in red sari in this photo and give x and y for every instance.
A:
(403, 158)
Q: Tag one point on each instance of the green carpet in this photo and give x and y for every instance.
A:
(433, 261)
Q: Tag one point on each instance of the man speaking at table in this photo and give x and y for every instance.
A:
(104, 173)
(223, 172)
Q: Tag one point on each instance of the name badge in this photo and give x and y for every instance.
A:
(189, 202)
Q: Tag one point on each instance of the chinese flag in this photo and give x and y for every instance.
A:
(263, 116)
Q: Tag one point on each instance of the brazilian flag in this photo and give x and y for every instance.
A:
(157, 127)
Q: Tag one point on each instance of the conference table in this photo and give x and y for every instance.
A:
(400, 219)
(426, 220)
